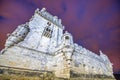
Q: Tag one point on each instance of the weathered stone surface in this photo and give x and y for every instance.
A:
(41, 45)
(12, 73)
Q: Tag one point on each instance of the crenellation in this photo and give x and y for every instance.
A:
(48, 16)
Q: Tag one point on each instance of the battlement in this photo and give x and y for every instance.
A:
(48, 16)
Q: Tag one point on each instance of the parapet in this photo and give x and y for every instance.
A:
(48, 16)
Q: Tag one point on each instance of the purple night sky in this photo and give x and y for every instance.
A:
(94, 24)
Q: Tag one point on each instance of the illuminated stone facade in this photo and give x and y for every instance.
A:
(40, 44)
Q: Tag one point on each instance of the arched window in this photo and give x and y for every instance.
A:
(47, 31)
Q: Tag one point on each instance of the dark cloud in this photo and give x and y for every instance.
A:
(2, 18)
(63, 5)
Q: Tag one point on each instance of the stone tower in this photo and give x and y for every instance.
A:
(40, 45)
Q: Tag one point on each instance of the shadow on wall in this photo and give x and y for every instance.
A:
(117, 76)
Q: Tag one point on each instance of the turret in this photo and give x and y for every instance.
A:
(18, 35)
(68, 47)
(107, 63)
(67, 39)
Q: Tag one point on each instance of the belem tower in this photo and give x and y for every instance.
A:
(41, 46)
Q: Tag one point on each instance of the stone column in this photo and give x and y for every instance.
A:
(67, 53)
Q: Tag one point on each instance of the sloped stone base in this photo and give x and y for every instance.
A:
(77, 76)
(10, 73)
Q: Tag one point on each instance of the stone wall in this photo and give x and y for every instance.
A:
(21, 57)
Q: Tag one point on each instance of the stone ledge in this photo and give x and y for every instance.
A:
(90, 76)
(11, 73)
